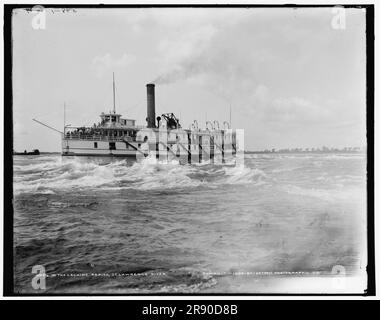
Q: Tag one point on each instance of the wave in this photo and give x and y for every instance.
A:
(188, 280)
(242, 175)
(327, 194)
(148, 174)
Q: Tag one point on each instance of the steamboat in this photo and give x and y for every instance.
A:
(163, 137)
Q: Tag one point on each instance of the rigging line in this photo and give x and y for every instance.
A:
(47, 126)
(138, 104)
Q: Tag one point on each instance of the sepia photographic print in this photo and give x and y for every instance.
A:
(198, 150)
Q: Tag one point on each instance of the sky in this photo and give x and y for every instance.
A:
(290, 78)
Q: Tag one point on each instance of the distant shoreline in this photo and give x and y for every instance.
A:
(304, 152)
(41, 153)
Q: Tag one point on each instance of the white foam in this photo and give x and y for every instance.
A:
(243, 174)
(147, 174)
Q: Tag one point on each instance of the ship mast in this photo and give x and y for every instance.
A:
(113, 82)
(230, 116)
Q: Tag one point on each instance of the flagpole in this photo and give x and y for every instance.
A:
(230, 117)
(113, 82)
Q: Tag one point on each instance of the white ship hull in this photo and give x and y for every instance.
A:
(96, 148)
(190, 152)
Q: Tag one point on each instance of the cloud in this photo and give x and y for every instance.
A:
(293, 112)
(220, 50)
(183, 55)
(297, 110)
(102, 64)
(276, 77)
(284, 69)
(218, 45)
(230, 45)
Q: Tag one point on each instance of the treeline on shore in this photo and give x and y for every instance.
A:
(310, 150)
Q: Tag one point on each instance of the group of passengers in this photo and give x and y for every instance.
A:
(83, 131)
(95, 131)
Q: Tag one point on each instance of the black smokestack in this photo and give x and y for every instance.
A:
(151, 108)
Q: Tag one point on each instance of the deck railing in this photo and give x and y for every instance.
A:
(94, 137)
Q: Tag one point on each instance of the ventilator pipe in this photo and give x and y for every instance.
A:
(208, 122)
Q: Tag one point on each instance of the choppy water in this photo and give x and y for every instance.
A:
(131, 227)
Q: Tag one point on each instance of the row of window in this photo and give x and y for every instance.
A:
(112, 146)
(121, 133)
(107, 118)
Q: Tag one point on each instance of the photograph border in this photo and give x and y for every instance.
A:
(8, 250)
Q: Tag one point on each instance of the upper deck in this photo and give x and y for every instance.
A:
(110, 128)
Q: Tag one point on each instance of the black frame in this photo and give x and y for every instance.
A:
(8, 285)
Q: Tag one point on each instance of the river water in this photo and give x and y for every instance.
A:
(102, 225)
